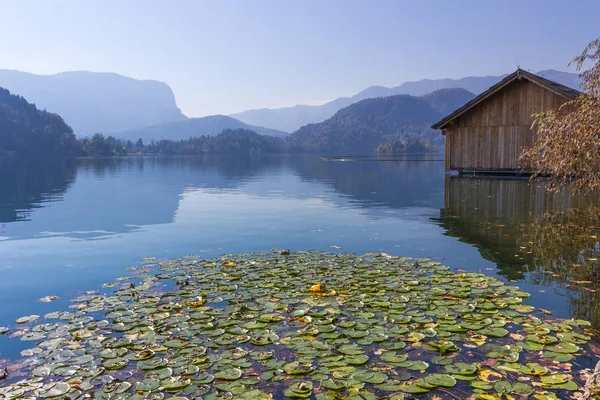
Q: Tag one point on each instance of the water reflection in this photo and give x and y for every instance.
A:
(53, 214)
(565, 249)
(24, 185)
(532, 235)
(396, 184)
(121, 195)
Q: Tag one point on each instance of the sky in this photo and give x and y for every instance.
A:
(226, 56)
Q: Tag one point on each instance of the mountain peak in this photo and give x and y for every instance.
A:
(94, 102)
(292, 118)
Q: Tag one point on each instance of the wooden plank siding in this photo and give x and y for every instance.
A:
(492, 135)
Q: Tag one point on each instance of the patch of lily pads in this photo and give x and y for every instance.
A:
(300, 325)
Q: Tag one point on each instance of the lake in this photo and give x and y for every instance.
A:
(69, 226)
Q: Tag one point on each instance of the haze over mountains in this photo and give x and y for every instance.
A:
(96, 102)
(193, 127)
(289, 119)
(398, 123)
(131, 109)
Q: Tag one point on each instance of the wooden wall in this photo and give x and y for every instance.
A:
(492, 135)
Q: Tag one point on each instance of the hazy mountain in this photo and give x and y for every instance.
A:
(445, 101)
(27, 131)
(363, 126)
(96, 102)
(193, 127)
(289, 119)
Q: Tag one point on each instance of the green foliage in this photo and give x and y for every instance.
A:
(25, 130)
(363, 126)
(100, 146)
(238, 141)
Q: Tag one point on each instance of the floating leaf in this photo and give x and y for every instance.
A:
(299, 390)
(440, 380)
(230, 374)
(27, 319)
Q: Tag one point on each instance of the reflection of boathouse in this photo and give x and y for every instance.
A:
(489, 133)
(494, 214)
(548, 239)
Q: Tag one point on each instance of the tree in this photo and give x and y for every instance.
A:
(568, 143)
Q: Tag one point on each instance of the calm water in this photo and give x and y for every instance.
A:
(69, 226)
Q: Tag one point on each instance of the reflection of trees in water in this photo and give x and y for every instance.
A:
(395, 184)
(26, 183)
(233, 167)
(565, 246)
(493, 214)
(550, 239)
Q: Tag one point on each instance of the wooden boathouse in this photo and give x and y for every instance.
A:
(488, 134)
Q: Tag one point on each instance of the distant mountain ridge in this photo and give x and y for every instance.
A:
(193, 127)
(289, 119)
(362, 127)
(96, 102)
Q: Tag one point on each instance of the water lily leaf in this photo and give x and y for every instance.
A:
(229, 374)
(568, 385)
(392, 357)
(174, 383)
(461, 368)
(85, 359)
(554, 379)
(567, 348)
(533, 369)
(115, 363)
(494, 332)
(487, 375)
(147, 385)
(53, 389)
(440, 380)
(561, 357)
(332, 385)
(318, 288)
(356, 359)
(295, 368)
(521, 389)
(269, 318)
(481, 385)
(299, 390)
(350, 349)
(502, 387)
(27, 319)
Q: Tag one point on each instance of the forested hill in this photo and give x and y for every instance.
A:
(25, 130)
(193, 127)
(362, 127)
(391, 124)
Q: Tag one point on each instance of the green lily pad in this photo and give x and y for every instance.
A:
(299, 390)
(230, 374)
(442, 380)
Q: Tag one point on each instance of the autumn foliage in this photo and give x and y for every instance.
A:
(568, 143)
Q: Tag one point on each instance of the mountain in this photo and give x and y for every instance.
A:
(445, 101)
(362, 127)
(27, 131)
(193, 127)
(97, 102)
(289, 119)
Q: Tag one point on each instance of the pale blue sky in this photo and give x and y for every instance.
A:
(226, 56)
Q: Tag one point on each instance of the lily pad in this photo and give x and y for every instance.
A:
(230, 374)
